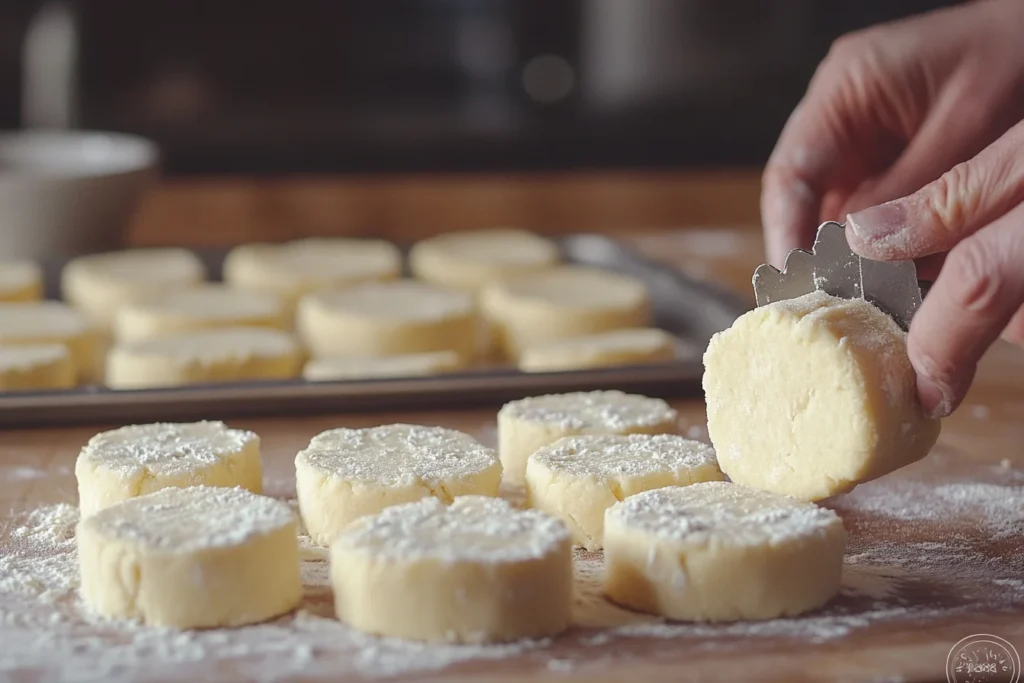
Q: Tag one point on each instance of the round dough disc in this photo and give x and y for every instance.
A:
(20, 281)
(27, 368)
(296, 268)
(579, 477)
(388, 319)
(198, 557)
(563, 302)
(811, 396)
(50, 322)
(234, 354)
(203, 307)
(345, 474)
(361, 367)
(716, 551)
(139, 459)
(633, 346)
(469, 260)
(475, 571)
(530, 423)
(100, 284)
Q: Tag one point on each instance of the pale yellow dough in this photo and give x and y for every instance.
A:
(579, 477)
(470, 260)
(198, 557)
(476, 571)
(811, 396)
(27, 368)
(530, 423)
(296, 268)
(559, 303)
(50, 322)
(369, 367)
(633, 346)
(716, 551)
(345, 474)
(388, 319)
(233, 354)
(100, 284)
(20, 281)
(203, 307)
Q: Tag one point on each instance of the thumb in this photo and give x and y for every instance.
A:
(944, 212)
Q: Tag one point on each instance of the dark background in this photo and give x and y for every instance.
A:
(273, 86)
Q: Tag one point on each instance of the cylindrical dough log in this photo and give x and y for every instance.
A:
(811, 396)
(21, 281)
(388, 319)
(100, 284)
(363, 367)
(716, 551)
(50, 322)
(527, 424)
(203, 307)
(139, 459)
(297, 268)
(476, 571)
(632, 346)
(579, 477)
(198, 557)
(28, 368)
(234, 354)
(563, 302)
(345, 474)
(469, 260)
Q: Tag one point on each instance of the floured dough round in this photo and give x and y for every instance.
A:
(197, 557)
(308, 265)
(579, 477)
(139, 459)
(469, 260)
(563, 302)
(20, 281)
(233, 354)
(100, 284)
(27, 368)
(388, 319)
(203, 307)
(475, 571)
(527, 424)
(716, 551)
(811, 396)
(363, 367)
(348, 473)
(49, 322)
(632, 346)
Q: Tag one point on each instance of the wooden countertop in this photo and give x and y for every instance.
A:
(936, 553)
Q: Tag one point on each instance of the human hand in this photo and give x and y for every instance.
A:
(889, 110)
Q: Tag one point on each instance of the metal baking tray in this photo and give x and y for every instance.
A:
(691, 310)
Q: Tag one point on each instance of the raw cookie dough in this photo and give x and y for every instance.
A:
(388, 319)
(469, 260)
(20, 281)
(811, 396)
(563, 302)
(632, 346)
(527, 424)
(348, 473)
(203, 307)
(475, 571)
(139, 459)
(363, 367)
(233, 354)
(720, 552)
(308, 265)
(28, 368)
(50, 322)
(100, 284)
(579, 477)
(198, 557)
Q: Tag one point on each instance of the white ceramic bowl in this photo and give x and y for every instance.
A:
(64, 193)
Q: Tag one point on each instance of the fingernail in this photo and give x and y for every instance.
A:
(936, 399)
(880, 222)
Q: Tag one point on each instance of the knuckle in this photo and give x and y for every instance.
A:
(973, 271)
(953, 197)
